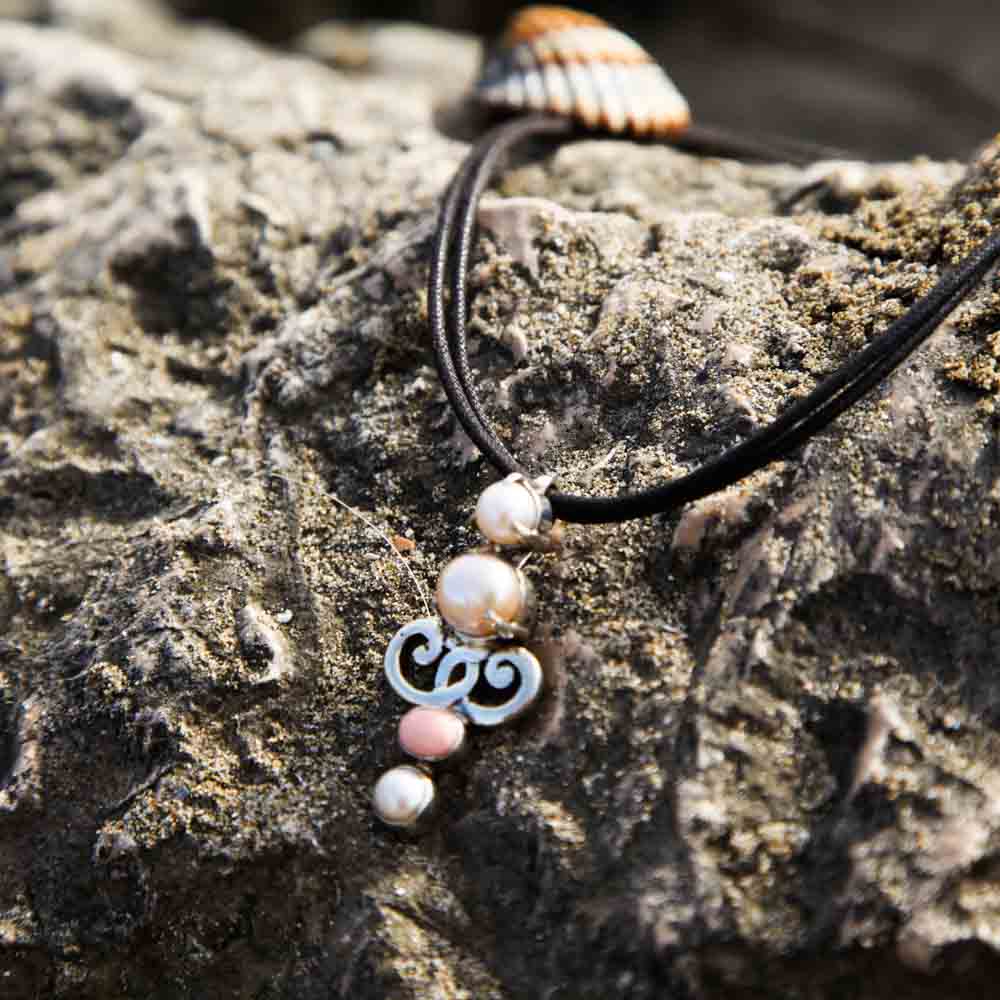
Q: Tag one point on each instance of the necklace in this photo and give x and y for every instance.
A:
(555, 60)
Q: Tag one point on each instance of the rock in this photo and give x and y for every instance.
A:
(769, 761)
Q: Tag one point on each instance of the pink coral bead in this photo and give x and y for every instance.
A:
(431, 733)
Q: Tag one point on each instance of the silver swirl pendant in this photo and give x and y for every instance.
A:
(460, 669)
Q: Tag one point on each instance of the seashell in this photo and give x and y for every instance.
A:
(563, 61)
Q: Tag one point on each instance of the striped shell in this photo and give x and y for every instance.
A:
(559, 60)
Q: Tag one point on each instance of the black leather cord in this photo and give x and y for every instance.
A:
(448, 338)
(709, 140)
(796, 424)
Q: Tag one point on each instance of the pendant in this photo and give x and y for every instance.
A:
(467, 667)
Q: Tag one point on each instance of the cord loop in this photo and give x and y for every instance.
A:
(792, 428)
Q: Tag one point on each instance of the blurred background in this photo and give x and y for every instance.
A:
(885, 79)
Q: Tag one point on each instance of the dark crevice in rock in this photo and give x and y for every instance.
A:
(8, 735)
(68, 490)
(203, 374)
(866, 614)
(839, 730)
(965, 971)
(94, 101)
(826, 866)
(18, 184)
(36, 342)
(176, 284)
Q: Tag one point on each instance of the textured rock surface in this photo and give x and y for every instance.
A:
(770, 760)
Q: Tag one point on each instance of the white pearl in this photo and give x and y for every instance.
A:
(503, 508)
(402, 796)
(475, 584)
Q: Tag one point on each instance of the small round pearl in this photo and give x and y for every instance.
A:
(431, 734)
(473, 585)
(402, 796)
(503, 509)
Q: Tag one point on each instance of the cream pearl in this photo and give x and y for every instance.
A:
(476, 584)
(506, 510)
(402, 796)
